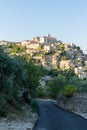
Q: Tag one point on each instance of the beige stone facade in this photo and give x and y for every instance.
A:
(66, 64)
(3, 43)
(81, 72)
(45, 39)
(48, 39)
(25, 42)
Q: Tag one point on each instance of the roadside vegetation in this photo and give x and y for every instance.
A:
(64, 82)
(19, 80)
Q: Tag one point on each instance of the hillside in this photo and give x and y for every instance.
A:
(51, 55)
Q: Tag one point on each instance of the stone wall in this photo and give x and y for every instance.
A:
(76, 103)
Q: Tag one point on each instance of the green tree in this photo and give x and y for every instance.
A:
(63, 58)
(12, 76)
(61, 46)
(68, 90)
(68, 74)
(78, 48)
(56, 85)
(33, 76)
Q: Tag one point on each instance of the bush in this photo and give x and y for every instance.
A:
(68, 90)
(39, 92)
(34, 106)
(3, 113)
(55, 85)
(3, 107)
(82, 86)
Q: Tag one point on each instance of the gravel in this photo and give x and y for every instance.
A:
(28, 124)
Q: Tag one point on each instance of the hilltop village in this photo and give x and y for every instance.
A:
(51, 53)
(43, 67)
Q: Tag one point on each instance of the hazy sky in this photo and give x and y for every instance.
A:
(64, 19)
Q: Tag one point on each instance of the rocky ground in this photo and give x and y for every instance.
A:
(76, 104)
(13, 122)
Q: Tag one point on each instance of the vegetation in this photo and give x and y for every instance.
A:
(34, 106)
(39, 92)
(61, 46)
(63, 82)
(68, 90)
(14, 49)
(19, 78)
(56, 85)
(63, 58)
(78, 48)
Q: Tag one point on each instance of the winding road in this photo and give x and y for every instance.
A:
(52, 117)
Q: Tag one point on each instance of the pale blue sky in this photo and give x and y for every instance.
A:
(64, 19)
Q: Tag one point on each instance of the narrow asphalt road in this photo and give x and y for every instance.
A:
(53, 118)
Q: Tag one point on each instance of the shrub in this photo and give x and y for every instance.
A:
(34, 106)
(3, 106)
(39, 92)
(68, 90)
(55, 85)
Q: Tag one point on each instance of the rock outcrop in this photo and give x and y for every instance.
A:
(76, 103)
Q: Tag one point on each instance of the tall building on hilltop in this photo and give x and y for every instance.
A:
(45, 39)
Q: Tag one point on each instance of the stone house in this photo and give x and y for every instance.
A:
(66, 64)
(36, 39)
(45, 39)
(68, 45)
(3, 42)
(48, 48)
(25, 42)
(33, 45)
(81, 72)
(50, 61)
(69, 51)
(79, 58)
(85, 62)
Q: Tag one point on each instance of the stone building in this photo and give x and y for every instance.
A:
(66, 64)
(45, 39)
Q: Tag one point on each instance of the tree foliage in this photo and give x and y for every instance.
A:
(60, 80)
(56, 85)
(68, 90)
(17, 76)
